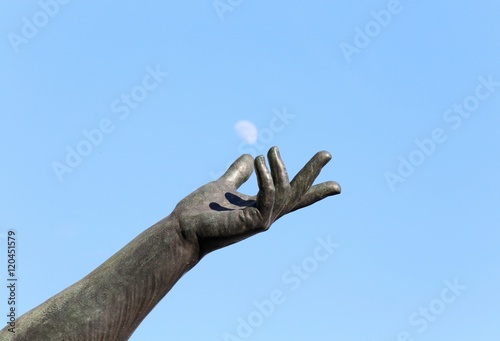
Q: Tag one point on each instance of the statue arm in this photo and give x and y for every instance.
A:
(110, 302)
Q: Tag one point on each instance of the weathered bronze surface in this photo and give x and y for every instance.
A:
(110, 302)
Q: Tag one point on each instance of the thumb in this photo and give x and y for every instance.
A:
(239, 172)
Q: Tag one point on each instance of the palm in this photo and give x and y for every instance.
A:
(218, 215)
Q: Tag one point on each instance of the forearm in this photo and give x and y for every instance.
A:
(110, 302)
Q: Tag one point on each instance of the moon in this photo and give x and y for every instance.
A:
(247, 131)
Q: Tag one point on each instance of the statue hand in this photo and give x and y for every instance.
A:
(217, 215)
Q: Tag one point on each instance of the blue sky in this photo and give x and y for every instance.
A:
(404, 94)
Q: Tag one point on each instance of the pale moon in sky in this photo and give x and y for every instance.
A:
(247, 131)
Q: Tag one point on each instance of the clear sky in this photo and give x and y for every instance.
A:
(112, 113)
